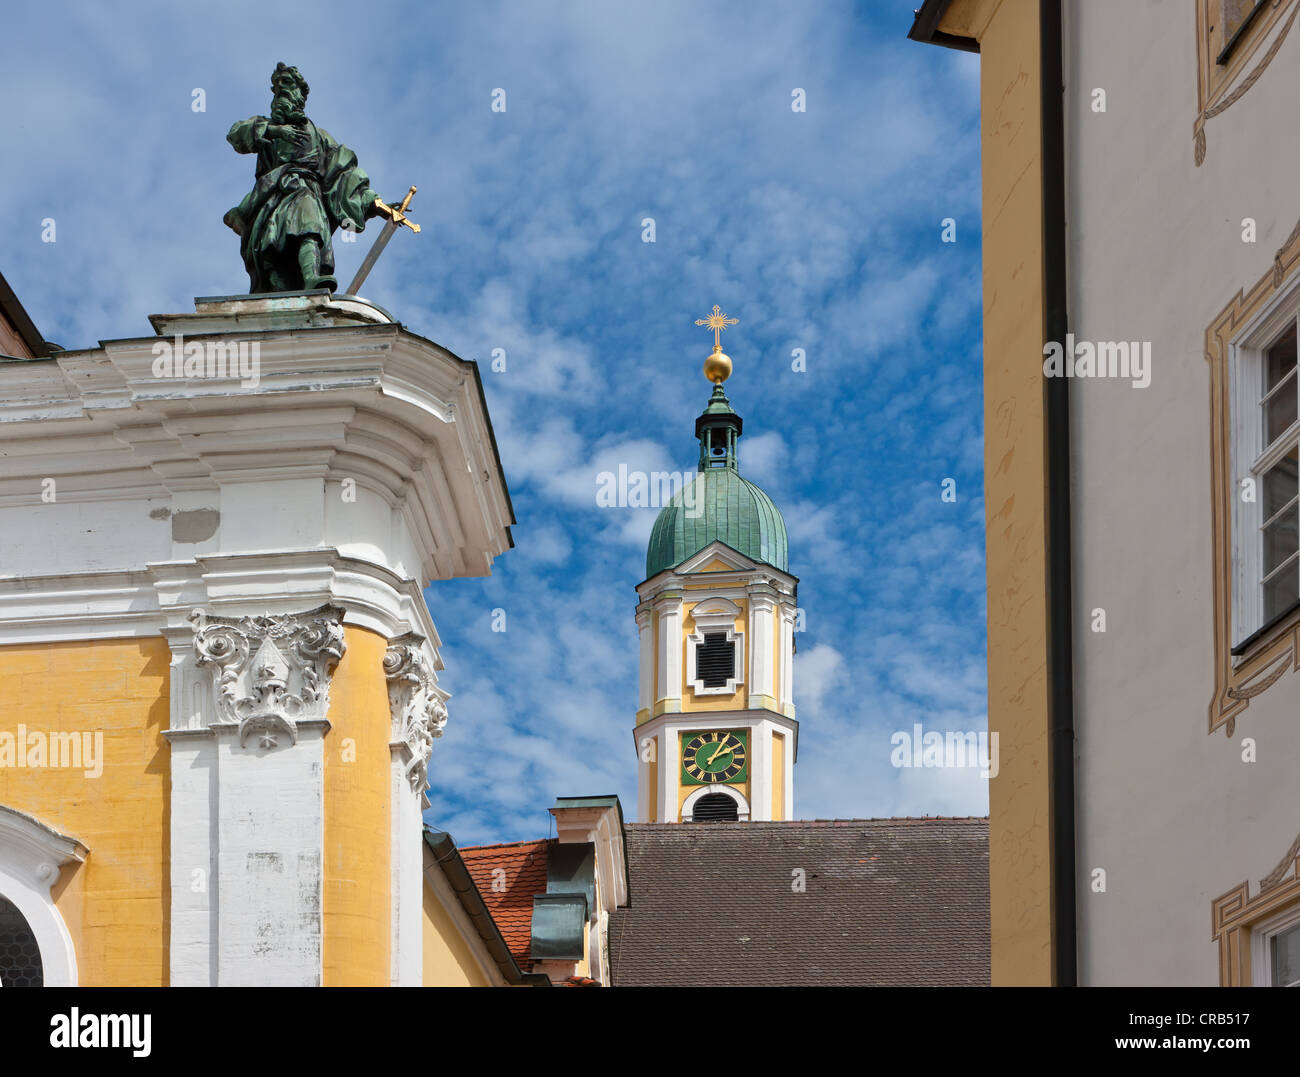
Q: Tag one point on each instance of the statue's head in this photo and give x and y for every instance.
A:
(289, 94)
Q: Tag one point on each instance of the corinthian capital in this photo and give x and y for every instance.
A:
(270, 673)
(418, 705)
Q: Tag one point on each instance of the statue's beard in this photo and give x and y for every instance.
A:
(287, 107)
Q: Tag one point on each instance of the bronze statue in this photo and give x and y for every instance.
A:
(307, 186)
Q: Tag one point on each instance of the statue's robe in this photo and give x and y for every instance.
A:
(307, 185)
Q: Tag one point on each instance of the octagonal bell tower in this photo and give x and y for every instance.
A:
(715, 733)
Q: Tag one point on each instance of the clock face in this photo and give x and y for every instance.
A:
(709, 758)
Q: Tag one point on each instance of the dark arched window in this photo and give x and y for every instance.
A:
(20, 957)
(715, 807)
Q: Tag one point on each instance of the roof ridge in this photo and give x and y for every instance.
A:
(505, 844)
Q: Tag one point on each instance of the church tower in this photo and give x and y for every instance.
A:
(715, 732)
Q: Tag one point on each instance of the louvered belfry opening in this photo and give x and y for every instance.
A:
(716, 807)
(715, 660)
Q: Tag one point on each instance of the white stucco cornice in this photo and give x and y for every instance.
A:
(160, 597)
(36, 849)
(369, 404)
(741, 574)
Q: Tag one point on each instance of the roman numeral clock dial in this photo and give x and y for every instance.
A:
(710, 758)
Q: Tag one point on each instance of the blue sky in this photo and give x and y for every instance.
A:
(819, 230)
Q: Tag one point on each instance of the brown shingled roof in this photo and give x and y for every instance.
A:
(887, 901)
(507, 876)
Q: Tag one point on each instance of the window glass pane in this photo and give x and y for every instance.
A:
(1279, 413)
(1282, 591)
(1279, 359)
(1280, 483)
(1280, 539)
(1286, 957)
(20, 959)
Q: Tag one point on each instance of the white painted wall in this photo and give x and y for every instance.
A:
(1172, 815)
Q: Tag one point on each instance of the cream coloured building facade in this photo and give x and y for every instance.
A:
(1139, 200)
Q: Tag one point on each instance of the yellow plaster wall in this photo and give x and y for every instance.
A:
(448, 960)
(357, 817)
(1014, 482)
(117, 904)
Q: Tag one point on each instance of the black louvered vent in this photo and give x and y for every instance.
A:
(715, 660)
(716, 807)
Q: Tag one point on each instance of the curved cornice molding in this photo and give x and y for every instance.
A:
(36, 848)
(160, 597)
(740, 573)
(32, 853)
(375, 405)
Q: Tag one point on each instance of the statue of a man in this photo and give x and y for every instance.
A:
(307, 186)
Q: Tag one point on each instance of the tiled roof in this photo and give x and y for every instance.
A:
(887, 901)
(508, 876)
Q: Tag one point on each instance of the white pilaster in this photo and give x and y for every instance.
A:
(761, 606)
(644, 772)
(669, 763)
(669, 681)
(760, 771)
(249, 699)
(787, 660)
(270, 827)
(645, 680)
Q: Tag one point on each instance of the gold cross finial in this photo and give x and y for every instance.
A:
(717, 321)
(717, 367)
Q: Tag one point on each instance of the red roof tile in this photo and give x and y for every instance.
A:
(508, 876)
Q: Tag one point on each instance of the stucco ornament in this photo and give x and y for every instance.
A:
(270, 673)
(418, 705)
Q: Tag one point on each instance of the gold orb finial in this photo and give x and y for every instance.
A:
(717, 367)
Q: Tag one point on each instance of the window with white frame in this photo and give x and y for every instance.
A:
(1275, 951)
(31, 856)
(1266, 454)
(714, 651)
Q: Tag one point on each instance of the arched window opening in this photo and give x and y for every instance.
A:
(716, 807)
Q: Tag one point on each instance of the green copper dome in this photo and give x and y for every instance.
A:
(727, 508)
